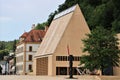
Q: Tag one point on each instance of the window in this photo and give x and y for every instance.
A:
(30, 67)
(61, 70)
(30, 48)
(57, 58)
(30, 57)
(65, 58)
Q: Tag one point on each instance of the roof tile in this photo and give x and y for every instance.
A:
(33, 36)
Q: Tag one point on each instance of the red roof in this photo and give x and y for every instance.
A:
(24, 35)
(33, 36)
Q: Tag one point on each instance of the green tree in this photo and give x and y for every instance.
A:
(94, 2)
(41, 26)
(116, 26)
(102, 48)
(9, 45)
(14, 45)
(67, 4)
(2, 45)
(96, 12)
(102, 15)
(3, 53)
(50, 18)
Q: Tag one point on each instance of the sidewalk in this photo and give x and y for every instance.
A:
(27, 77)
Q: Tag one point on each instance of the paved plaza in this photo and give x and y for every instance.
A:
(83, 77)
(27, 77)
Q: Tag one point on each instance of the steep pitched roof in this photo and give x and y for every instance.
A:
(33, 36)
(57, 30)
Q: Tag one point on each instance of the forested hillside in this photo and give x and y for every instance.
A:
(9, 45)
(103, 13)
(6, 47)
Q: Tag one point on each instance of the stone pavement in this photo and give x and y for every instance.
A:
(28, 77)
(110, 77)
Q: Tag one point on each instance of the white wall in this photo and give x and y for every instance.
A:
(22, 45)
(20, 63)
(20, 54)
(27, 65)
(34, 47)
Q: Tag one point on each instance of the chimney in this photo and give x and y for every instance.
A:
(33, 26)
(46, 28)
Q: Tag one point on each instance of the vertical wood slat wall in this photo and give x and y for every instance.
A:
(42, 66)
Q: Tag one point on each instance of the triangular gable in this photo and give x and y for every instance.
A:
(56, 31)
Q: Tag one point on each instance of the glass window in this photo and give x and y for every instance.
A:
(30, 67)
(30, 48)
(30, 57)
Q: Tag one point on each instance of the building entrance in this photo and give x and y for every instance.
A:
(65, 71)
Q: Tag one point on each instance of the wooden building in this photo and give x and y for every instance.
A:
(67, 28)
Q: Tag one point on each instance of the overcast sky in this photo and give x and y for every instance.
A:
(17, 16)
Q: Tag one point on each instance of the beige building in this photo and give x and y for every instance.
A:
(26, 48)
(52, 56)
(116, 70)
(67, 28)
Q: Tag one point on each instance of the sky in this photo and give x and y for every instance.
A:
(17, 16)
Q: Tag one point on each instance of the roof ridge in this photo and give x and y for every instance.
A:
(66, 11)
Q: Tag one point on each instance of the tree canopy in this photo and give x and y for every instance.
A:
(41, 26)
(3, 53)
(97, 13)
(102, 48)
(6, 47)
